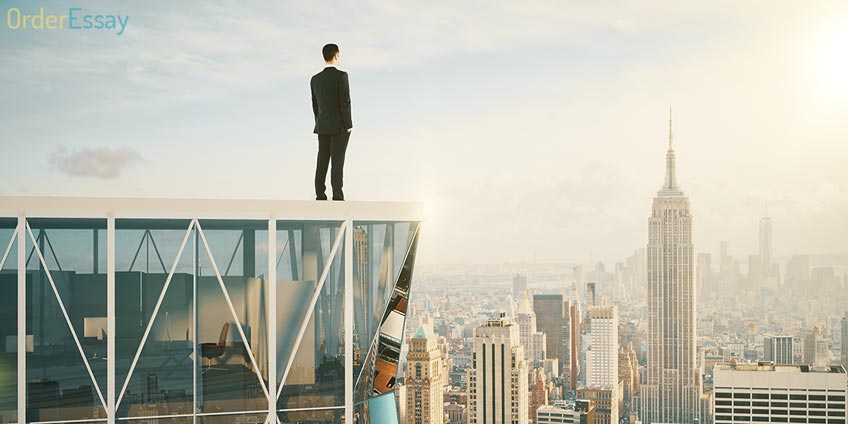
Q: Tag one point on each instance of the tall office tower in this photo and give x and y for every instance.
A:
(360, 244)
(425, 379)
(497, 378)
(766, 251)
(704, 273)
(816, 348)
(602, 359)
(754, 269)
(549, 318)
(844, 341)
(519, 285)
(532, 340)
(572, 325)
(797, 270)
(591, 296)
(725, 261)
(671, 390)
(577, 275)
(602, 354)
(779, 349)
(779, 393)
(628, 372)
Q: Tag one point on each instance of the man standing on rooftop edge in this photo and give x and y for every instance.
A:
(333, 122)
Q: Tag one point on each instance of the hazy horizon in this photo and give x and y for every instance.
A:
(534, 132)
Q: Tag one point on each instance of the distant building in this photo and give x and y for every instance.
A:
(779, 349)
(816, 348)
(574, 413)
(605, 400)
(549, 318)
(519, 285)
(765, 392)
(425, 379)
(602, 354)
(844, 341)
(456, 413)
(725, 264)
(628, 372)
(539, 392)
(797, 270)
(533, 341)
(765, 245)
(497, 378)
(571, 331)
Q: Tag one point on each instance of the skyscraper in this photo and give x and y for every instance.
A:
(816, 349)
(779, 349)
(602, 361)
(425, 379)
(549, 320)
(571, 342)
(725, 264)
(844, 340)
(497, 378)
(519, 285)
(765, 246)
(532, 340)
(670, 393)
(628, 372)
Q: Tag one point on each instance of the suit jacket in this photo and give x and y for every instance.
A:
(331, 101)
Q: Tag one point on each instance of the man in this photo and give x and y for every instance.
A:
(333, 123)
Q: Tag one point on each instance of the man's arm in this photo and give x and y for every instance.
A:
(344, 102)
(314, 100)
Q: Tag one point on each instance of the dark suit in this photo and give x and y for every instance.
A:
(331, 106)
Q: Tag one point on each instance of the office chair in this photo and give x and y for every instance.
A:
(215, 350)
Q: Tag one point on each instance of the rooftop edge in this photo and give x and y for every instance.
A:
(141, 207)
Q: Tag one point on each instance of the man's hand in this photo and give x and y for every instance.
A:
(349, 130)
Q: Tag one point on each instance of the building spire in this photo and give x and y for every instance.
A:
(670, 185)
(670, 134)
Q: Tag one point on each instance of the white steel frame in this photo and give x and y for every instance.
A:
(195, 210)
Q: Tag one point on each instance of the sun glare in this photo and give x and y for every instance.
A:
(830, 61)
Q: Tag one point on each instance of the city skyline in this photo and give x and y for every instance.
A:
(127, 111)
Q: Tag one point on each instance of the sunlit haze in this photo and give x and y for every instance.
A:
(533, 131)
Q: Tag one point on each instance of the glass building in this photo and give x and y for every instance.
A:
(202, 311)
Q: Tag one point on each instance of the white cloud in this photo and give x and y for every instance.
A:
(97, 162)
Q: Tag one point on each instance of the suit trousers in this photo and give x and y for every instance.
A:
(331, 148)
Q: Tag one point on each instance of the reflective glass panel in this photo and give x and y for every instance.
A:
(66, 317)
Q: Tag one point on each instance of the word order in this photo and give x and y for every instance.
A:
(75, 19)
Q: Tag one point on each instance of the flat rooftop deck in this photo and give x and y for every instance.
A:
(139, 207)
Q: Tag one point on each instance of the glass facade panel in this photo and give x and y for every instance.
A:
(192, 309)
(233, 342)
(313, 371)
(381, 300)
(66, 316)
(162, 381)
(8, 321)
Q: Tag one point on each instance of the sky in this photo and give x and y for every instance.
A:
(532, 131)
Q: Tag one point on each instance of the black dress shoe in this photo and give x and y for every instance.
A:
(338, 199)
(321, 198)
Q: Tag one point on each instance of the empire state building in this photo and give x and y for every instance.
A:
(670, 393)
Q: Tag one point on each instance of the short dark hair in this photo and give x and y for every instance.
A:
(329, 51)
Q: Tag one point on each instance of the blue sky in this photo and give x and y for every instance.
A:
(534, 131)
